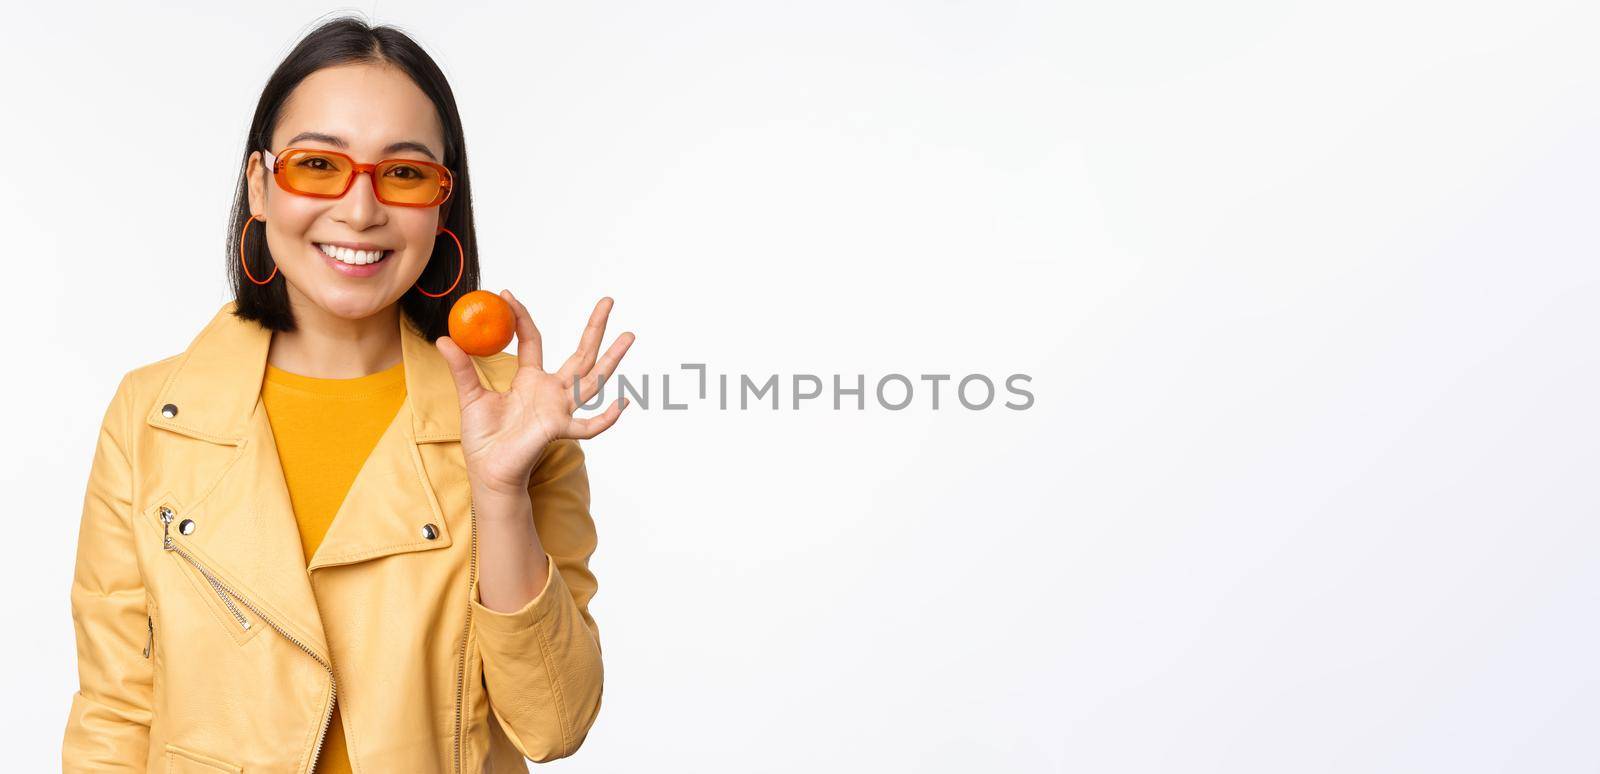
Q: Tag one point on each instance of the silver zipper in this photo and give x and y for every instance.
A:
(461, 669)
(222, 589)
(150, 625)
(166, 542)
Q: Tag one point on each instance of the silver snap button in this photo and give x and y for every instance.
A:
(429, 531)
(169, 411)
(186, 526)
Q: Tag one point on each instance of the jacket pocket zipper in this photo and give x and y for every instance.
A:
(216, 586)
(225, 593)
(150, 643)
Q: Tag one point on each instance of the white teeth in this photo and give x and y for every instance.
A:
(353, 257)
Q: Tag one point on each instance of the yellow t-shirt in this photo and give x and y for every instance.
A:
(325, 430)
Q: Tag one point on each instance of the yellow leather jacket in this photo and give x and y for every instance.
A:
(206, 644)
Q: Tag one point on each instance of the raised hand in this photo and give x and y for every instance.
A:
(503, 433)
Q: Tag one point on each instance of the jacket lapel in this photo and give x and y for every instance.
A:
(392, 496)
(232, 483)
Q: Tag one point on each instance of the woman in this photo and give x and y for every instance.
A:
(323, 537)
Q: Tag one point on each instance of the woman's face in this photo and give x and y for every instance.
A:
(368, 112)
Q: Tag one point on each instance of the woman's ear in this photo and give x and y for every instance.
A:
(255, 175)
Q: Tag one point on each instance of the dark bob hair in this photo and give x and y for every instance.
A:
(350, 40)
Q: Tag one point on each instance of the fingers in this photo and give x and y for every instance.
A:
(530, 346)
(584, 429)
(589, 345)
(607, 366)
(468, 388)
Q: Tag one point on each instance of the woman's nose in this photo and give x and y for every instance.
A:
(359, 207)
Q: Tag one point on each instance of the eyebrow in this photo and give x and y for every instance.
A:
(338, 142)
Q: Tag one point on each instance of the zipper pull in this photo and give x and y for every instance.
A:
(166, 523)
(151, 642)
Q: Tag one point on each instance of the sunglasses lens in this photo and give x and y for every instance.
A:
(403, 183)
(319, 174)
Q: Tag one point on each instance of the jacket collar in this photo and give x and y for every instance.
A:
(217, 383)
(234, 487)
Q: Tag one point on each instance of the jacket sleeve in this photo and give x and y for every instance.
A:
(542, 663)
(108, 727)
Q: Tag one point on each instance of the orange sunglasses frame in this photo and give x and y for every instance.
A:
(275, 163)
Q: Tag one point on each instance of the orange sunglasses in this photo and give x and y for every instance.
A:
(326, 174)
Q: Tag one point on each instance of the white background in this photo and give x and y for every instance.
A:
(1308, 293)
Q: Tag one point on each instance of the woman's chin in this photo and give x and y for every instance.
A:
(353, 303)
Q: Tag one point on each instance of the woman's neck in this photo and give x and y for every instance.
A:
(328, 346)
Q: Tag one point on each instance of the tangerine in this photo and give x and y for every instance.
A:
(482, 323)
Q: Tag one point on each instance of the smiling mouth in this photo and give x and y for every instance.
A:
(352, 257)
